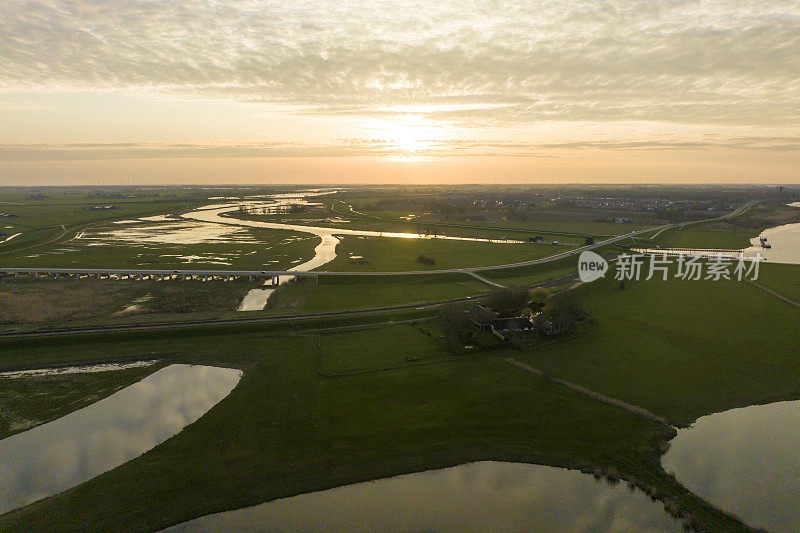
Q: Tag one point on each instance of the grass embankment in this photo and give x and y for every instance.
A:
(679, 349)
(27, 402)
(533, 273)
(377, 254)
(693, 237)
(339, 293)
(30, 303)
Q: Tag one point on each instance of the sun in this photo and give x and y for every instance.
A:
(408, 137)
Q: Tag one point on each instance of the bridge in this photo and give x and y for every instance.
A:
(703, 252)
(141, 274)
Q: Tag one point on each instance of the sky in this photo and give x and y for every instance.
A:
(342, 91)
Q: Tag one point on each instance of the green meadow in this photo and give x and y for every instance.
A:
(342, 293)
(318, 408)
(376, 254)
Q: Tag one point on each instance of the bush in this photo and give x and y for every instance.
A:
(425, 260)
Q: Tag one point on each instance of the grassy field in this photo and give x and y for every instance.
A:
(315, 409)
(783, 279)
(30, 401)
(29, 303)
(335, 293)
(402, 345)
(702, 238)
(376, 254)
(320, 406)
(286, 429)
(552, 220)
(714, 345)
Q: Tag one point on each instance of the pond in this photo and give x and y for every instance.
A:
(53, 457)
(483, 496)
(744, 461)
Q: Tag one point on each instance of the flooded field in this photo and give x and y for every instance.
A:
(744, 461)
(84, 369)
(181, 232)
(63, 453)
(484, 496)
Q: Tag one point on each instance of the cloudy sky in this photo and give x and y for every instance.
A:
(375, 91)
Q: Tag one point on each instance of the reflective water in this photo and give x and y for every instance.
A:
(784, 241)
(744, 461)
(484, 496)
(324, 252)
(181, 232)
(255, 300)
(81, 445)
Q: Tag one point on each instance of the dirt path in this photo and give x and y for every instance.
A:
(633, 409)
(480, 278)
(775, 294)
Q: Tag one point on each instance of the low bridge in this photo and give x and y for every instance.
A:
(142, 274)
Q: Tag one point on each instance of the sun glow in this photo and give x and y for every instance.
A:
(409, 137)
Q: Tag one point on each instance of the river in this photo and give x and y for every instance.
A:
(324, 252)
(63, 453)
(744, 461)
(483, 496)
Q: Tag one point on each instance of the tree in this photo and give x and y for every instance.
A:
(564, 313)
(540, 297)
(456, 326)
(508, 300)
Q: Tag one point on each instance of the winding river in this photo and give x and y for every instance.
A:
(66, 452)
(324, 252)
(483, 496)
(744, 461)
